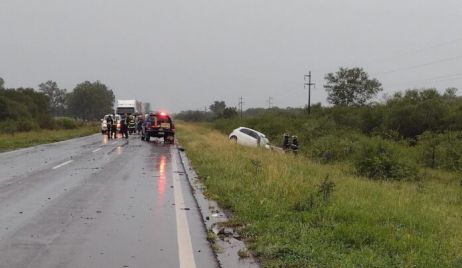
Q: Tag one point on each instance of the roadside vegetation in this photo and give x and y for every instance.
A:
(48, 114)
(25, 139)
(375, 183)
(294, 211)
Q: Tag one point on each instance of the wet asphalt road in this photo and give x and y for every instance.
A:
(93, 202)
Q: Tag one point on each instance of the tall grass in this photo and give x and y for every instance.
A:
(279, 201)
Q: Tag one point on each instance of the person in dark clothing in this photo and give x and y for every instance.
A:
(294, 144)
(285, 141)
(139, 124)
(124, 126)
(109, 124)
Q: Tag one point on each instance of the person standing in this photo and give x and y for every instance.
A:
(114, 127)
(109, 124)
(124, 126)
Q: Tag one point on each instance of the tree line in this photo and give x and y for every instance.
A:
(25, 109)
(392, 138)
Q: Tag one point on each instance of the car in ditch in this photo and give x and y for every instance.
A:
(158, 125)
(249, 137)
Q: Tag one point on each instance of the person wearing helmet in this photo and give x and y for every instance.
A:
(294, 144)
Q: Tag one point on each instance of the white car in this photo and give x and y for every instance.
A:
(104, 124)
(249, 137)
(116, 120)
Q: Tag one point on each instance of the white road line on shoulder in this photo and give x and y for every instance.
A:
(185, 251)
(62, 164)
(96, 150)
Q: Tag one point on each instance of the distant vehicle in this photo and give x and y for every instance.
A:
(104, 124)
(129, 107)
(116, 119)
(158, 125)
(249, 137)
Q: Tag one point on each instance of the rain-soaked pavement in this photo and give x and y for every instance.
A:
(93, 202)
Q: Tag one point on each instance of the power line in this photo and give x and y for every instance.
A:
(436, 79)
(419, 65)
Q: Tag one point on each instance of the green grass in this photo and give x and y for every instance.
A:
(287, 222)
(31, 138)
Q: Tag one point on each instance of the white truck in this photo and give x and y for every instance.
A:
(129, 107)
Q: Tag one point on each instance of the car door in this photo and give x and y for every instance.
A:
(247, 137)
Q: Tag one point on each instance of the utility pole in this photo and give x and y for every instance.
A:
(205, 109)
(309, 84)
(270, 100)
(240, 105)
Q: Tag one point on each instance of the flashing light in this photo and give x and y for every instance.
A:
(163, 114)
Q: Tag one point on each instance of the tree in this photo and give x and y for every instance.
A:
(91, 101)
(349, 87)
(450, 92)
(217, 108)
(230, 112)
(2, 83)
(56, 96)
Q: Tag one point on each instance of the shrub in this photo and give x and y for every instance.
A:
(441, 150)
(65, 123)
(378, 159)
(8, 126)
(331, 148)
(26, 125)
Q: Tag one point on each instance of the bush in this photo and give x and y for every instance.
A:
(441, 150)
(26, 125)
(331, 148)
(378, 159)
(65, 123)
(8, 127)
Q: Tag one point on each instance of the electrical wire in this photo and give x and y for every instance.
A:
(419, 65)
(436, 79)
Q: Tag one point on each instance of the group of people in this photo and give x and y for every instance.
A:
(127, 124)
(290, 144)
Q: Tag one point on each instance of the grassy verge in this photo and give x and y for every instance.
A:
(26, 139)
(298, 213)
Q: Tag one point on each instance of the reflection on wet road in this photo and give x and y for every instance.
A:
(162, 180)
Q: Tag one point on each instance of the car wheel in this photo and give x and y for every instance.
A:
(233, 139)
(148, 138)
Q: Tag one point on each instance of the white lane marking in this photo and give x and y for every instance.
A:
(96, 150)
(62, 164)
(185, 251)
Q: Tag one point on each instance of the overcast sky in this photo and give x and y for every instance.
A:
(185, 54)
